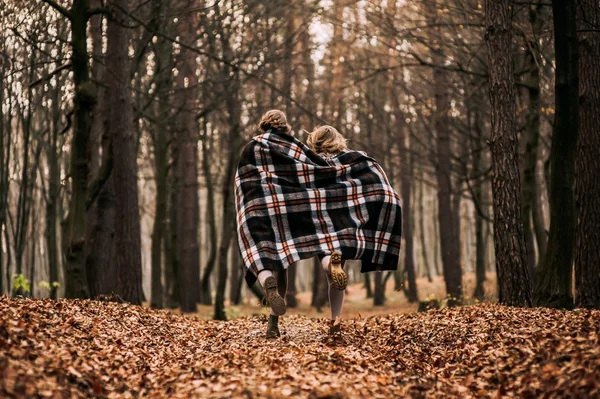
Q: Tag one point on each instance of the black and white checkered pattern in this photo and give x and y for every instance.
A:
(293, 204)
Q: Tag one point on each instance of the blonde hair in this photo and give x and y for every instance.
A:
(274, 119)
(326, 139)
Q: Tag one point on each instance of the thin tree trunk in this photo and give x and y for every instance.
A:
(367, 284)
(429, 266)
(554, 278)
(478, 197)
(448, 238)
(4, 152)
(237, 273)
(210, 216)
(187, 164)
(53, 198)
(407, 210)
(317, 277)
(530, 138)
(539, 224)
(587, 178)
(170, 243)
(379, 292)
(127, 231)
(509, 243)
(160, 215)
(228, 219)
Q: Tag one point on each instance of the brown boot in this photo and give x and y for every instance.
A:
(274, 299)
(273, 327)
(338, 275)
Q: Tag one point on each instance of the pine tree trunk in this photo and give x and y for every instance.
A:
(554, 277)
(127, 229)
(587, 177)
(509, 243)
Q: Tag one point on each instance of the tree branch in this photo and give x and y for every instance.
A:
(55, 72)
(59, 8)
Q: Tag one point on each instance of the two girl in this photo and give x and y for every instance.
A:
(296, 201)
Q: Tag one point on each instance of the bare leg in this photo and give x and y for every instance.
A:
(336, 300)
(336, 296)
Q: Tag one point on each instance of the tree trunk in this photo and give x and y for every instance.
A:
(161, 156)
(127, 231)
(170, 243)
(237, 273)
(429, 263)
(187, 164)
(379, 292)
(101, 267)
(317, 276)
(76, 285)
(447, 228)
(4, 173)
(368, 285)
(479, 198)
(210, 216)
(509, 243)
(53, 198)
(160, 215)
(530, 138)
(228, 219)
(227, 232)
(554, 285)
(448, 238)
(407, 211)
(587, 177)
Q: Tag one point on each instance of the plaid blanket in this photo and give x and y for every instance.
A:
(294, 204)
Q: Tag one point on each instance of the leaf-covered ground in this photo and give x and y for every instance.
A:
(99, 349)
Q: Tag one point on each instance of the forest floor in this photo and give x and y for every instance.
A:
(83, 348)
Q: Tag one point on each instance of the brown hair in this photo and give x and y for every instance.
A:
(326, 139)
(274, 119)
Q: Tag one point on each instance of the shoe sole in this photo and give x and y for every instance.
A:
(338, 275)
(274, 300)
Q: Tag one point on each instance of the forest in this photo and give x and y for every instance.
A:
(121, 128)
